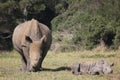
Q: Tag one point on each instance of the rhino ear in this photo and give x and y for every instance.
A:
(28, 39)
(112, 64)
(43, 39)
(102, 62)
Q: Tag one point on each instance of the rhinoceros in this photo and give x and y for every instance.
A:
(32, 40)
(92, 68)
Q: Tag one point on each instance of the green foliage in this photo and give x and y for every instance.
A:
(90, 22)
(32, 6)
(14, 12)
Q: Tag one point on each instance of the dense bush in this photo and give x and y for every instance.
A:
(91, 23)
(76, 24)
(14, 12)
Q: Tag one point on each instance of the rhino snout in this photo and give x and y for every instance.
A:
(34, 69)
(34, 65)
(107, 70)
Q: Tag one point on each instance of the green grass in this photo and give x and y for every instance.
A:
(57, 66)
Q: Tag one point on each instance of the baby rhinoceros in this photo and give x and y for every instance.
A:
(94, 68)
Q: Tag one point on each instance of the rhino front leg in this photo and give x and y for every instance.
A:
(23, 60)
(24, 63)
(42, 58)
(27, 58)
(96, 71)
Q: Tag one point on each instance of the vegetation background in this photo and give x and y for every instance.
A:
(75, 24)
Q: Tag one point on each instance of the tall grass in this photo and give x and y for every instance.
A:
(56, 66)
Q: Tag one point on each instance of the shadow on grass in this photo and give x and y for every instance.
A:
(63, 68)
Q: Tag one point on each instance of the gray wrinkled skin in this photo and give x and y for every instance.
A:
(96, 68)
(76, 68)
(32, 40)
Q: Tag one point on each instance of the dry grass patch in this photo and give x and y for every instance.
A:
(57, 66)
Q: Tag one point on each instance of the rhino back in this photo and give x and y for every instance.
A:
(85, 67)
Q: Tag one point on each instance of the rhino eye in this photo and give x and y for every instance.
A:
(28, 39)
(106, 69)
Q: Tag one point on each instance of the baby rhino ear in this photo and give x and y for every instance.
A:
(112, 64)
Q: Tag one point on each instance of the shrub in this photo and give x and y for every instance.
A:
(91, 23)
